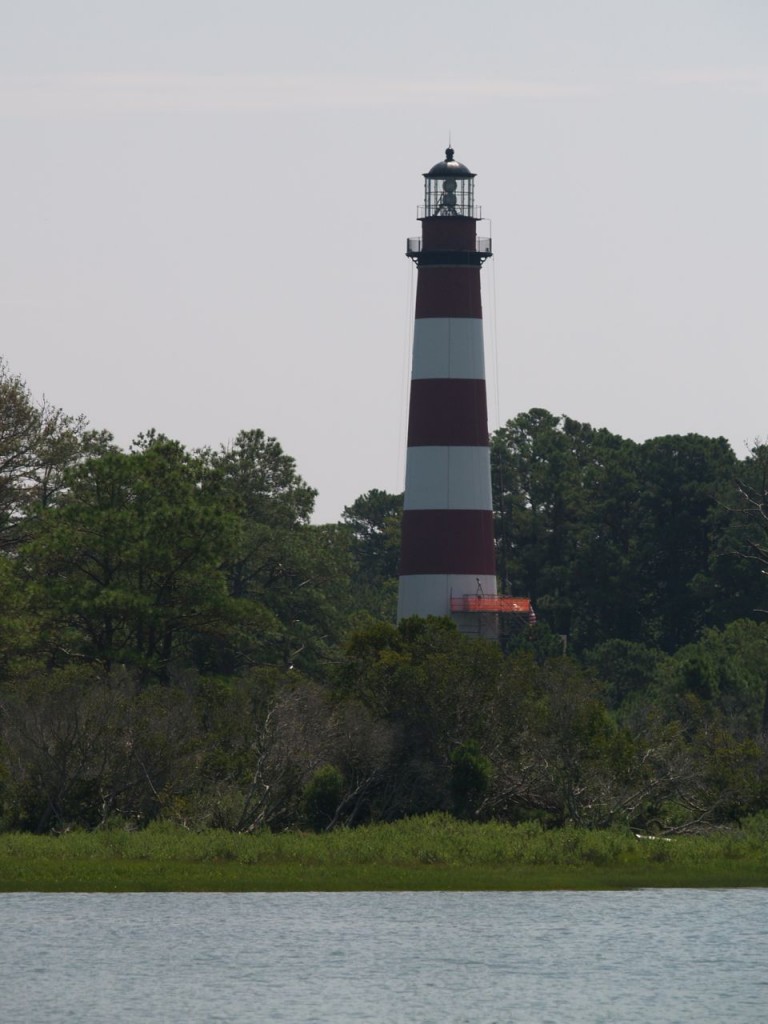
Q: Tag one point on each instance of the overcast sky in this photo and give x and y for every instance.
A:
(205, 203)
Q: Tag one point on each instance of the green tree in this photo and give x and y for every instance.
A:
(564, 494)
(611, 539)
(629, 670)
(20, 640)
(127, 569)
(678, 519)
(322, 796)
(470, 777)
(745, 544)
(728, 669)
(38, 443)
(374, 520)
(434, 689)
(298, 572)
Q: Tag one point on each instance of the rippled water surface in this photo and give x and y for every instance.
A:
(665, 956)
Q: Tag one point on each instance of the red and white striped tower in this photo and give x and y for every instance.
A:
(447, 553)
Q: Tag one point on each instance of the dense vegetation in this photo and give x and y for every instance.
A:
(179, 642)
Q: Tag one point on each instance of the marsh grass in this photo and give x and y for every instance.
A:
(433, 852)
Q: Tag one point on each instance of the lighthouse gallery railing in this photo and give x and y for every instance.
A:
(483, 245)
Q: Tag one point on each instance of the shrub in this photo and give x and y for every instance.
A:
(322, 796)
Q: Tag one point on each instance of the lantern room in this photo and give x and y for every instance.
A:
(449, 190)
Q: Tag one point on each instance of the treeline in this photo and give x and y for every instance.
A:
(178, 640)
(612, 539)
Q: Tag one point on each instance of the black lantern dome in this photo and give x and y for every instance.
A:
(449, 168)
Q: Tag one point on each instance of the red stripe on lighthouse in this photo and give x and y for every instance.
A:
(447, 541)
(447, 412)
(448, 291)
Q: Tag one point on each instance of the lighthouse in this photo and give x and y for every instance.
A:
(447, 557)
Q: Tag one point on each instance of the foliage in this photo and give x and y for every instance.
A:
(728, 669)
(79, 748)
(126, 566)
(470, 777)
(564, 494)
(295, 571)
(180, 643)
(322, 796)
(433, 687)
(630, 671)
(615, 540)
(38, 443)
(374, 521)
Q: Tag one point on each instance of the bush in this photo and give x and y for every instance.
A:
(322, 796)
(470, 775)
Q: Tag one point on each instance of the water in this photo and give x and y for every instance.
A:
(666, 956)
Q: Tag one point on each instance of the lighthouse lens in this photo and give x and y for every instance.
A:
(449, 185)
(449, 200)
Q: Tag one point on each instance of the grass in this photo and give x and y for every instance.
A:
(435, 852)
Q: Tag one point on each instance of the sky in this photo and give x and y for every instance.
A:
(205, 205)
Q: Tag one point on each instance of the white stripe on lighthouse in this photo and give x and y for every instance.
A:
(448, 347)
(448, 476)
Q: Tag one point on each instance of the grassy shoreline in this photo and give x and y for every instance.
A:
(431, 853)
